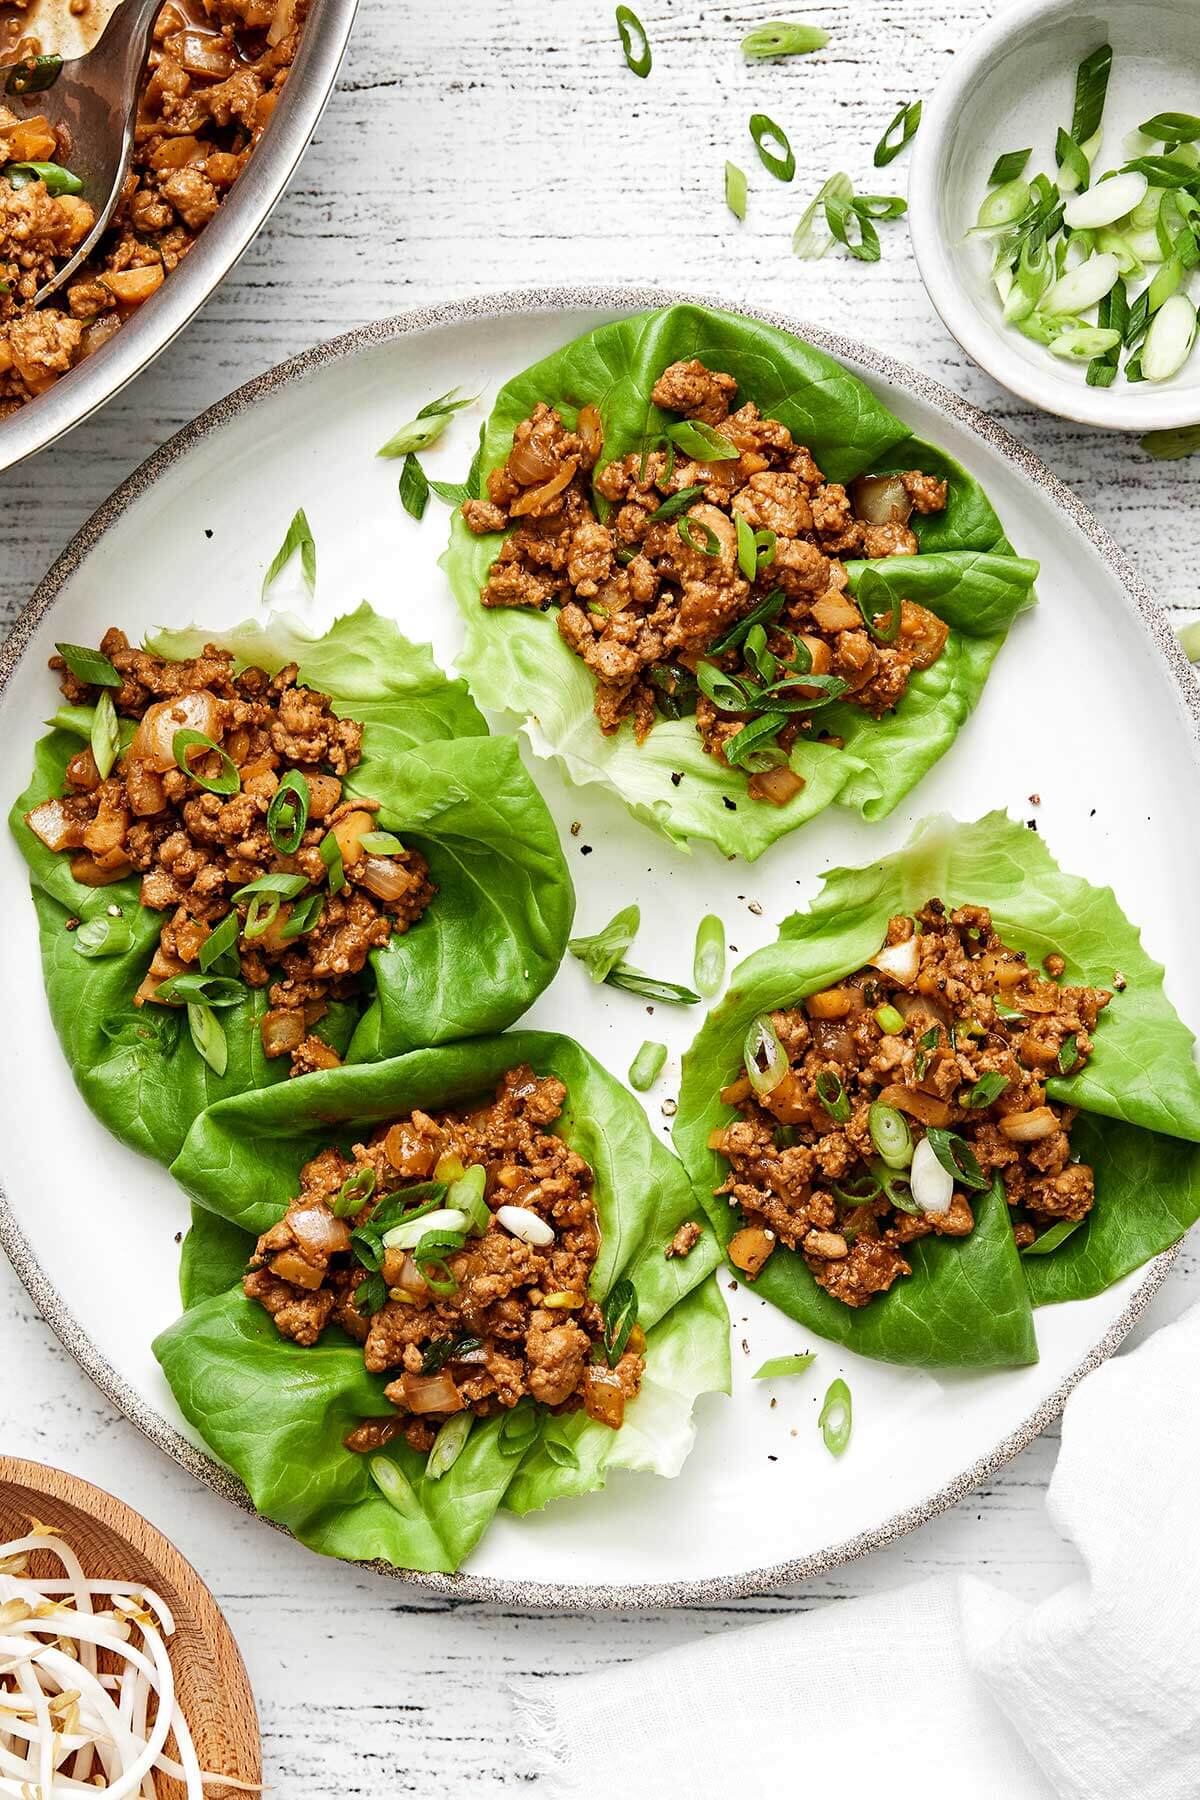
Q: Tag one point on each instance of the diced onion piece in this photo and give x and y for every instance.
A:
(1170, 338)
(750, 1248)
(881, 500)
(283, 1030)
(830, 1003)
(550, 490)
(349, 831)
(603, 1396)
(409, 1235)
(410, 1153)
(290, 1266)
(283, 22)
(899, 962)
(54, 825)
(932, 1186)
(154, 740)
(316, 1228)
(833, 612)
(526, 1225)
(129, 287)
(1105, 203)
(384, 876)
(1080, 288)
(1028, 1127)
(777, 786)
(918, 1105)
(431, 1393)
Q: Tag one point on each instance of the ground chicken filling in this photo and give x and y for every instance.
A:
(215, 74)
(886, 1104)
(510, 1316)
(714, 579)
(346, 886)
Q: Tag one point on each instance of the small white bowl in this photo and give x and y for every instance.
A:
(1013, 84)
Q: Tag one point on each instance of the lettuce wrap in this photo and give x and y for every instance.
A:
(967, 572)
(278, 1414)
(486, 947)
(970, 1301)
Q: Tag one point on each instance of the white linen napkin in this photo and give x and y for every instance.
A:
(948, 1688)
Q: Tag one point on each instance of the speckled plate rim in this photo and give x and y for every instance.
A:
(562, 1595)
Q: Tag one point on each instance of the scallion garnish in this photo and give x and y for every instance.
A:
(747, 549)
(287, 815)
(807, 242)
(763, 1056)
(833, 1096)
(701, 441)
(735, 190)
(647, 1065)
(687, 529)
(779, 38)
(1052, 1238)
(890, 1135)
(1008, 167)
(414, 487)
(1167, 446)
(634, 41)
(227, 781)
(518, 1430)
(428, 425)
(784, 1365)
(1068, 1056)
(105, 935)
(956, 1157)
(331, 856)
(889, 1020)
(762, 614)
(208, 1035)
(1091, 87)
(106, 734)
(649, 987)
(1172, 128)
(298, 537)
(391, 1481)
(201, 989)
(449, 1444)
(354, 1192)
(54, 177)
(33, 75)
(754, 746)
(305, 916)
(836, 1418)
(900, 131)
(766, 132)
(708, 959)
(988, 1088)
(601, 952)
(89, 666)
(559, 1452)
(219, 944)
(619, 1311)
(675, 504)
(882, 621)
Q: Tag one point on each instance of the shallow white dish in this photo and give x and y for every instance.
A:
(188, 537)
(1011, 85)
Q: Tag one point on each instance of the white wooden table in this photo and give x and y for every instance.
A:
(474, 147)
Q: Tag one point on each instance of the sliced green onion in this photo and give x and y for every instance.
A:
(106, 734)
(55, 178)
(708, 960)
(105, 935)
(1091, 86)
(735, 190)
(297, 537)
(619, 1316)
(701, 441)
(1008, 167)
(726, 693)
(467, 1195)
(837, 1415)
(712, 543)
(956, 1157)
(428, 425)
(1074, 169)
(778, 38)
(784, 1365)
(88, 665)
(870, 588)
(261, 914)
(1080, 288)
(633, 981)
(220, 942)
(762, 614)
(833, 1096)
(1170, 338)
(1068, 1056)
(634, 41)
(1104, 204)
(331, 856)
(1168, 446)
(413, 487)
(287, 815)
(1084, 342)
(208, 1035)
(203, 990)
(1172, 128)
(676, 504)
(1004, 205)
(518, 1431)
(560, 1453)
(354, 1192)
(808, 242)
(879, 206)
(754, 746)
(305, 916)
(890, 1135)
(764, 1057)
(228, 781)
(860, 238)
(449, 1444)
(33, 75)
(601, 952)
(747, 549)
(381, 843)
(1163, 171)
(647, 1065)
(989, 1087)
(285, 886)
(889, 1020)
(1051, 1239)
(899, 132)
(393, 1484)
(766, 132)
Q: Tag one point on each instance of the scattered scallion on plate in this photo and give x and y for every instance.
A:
(298, 537)
(837, 1417)
(647, 1065)
(784, 1365)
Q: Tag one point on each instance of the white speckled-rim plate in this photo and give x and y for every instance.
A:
(221, 492)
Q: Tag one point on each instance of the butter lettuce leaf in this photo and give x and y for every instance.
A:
(278, 1414)
(517, 664)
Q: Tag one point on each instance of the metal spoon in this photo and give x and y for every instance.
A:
(95, 98)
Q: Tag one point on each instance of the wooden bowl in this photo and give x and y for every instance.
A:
(112, 1540)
